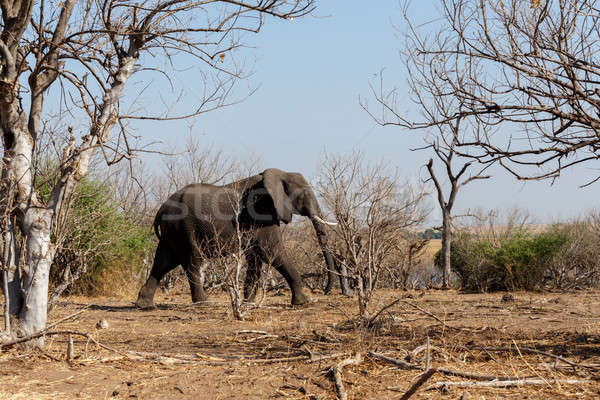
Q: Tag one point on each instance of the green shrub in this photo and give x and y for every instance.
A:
(519, 261)
(102, 248)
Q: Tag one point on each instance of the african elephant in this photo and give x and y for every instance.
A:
(203, 221)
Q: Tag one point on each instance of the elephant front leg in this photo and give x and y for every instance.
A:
(164, 261)
(283, 265)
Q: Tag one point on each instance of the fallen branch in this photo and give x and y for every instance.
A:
(469, 375)
(378, 313)
(60, 321)
(314, 358)
(336, 373)
(43, 332)
(432, 315)
(504, 384)
(307, 357)
(422, 379)
(529, 350)
(394, 361)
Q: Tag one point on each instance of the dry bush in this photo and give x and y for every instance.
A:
(577, 264)
(406, 268)
(302, 246)
(374, 212)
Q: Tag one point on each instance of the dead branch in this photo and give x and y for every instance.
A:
(540, 352)
(469, 375)
(433, 316)
(394, 361)
(384, 308)
(43, 332)
(504, 384)
(422, 379)
(336, 373)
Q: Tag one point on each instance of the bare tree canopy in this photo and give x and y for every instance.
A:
(524, 72)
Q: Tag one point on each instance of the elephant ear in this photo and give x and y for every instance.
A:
(274, 183)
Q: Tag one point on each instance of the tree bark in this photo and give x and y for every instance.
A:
(446, 248)
(11, 276)
(37, 227)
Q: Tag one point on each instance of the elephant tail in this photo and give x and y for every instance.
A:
(157, 220)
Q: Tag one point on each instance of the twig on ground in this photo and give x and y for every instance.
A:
(540, 352)
(433, 316)
(378, 313)
(41, 333)
(503, 384)
(422, 379)
(469, 375)
(60, 321)
(336, 373)
(428, 356)
(348, 317)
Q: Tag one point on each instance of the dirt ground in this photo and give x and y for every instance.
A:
(197, 351)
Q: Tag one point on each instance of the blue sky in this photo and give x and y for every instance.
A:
(310, 73)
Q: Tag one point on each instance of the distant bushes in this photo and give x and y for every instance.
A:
(578, 262)
(561, 256)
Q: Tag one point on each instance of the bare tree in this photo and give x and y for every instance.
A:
(373, 213)
(84, 53)
(444, 140)
(445, 151)
(526, 70)
(197, 163)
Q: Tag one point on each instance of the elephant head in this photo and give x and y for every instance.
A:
(278, 196)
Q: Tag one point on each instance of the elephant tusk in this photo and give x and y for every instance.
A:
(324, 222)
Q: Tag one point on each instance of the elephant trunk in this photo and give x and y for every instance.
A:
(332, 267)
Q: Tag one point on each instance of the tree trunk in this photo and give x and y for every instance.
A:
(39, 253)
(446, 248)
(11, 276)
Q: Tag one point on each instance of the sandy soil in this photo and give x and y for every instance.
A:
(197, 351)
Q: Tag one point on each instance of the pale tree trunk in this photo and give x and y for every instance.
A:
(446, 248)
(29, 294)
(37, 227)
(11, 284)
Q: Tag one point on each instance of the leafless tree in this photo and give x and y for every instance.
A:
(83, 54)
(445, 151)
(197, 163)
(373, 213)
(526, 71)
(406, 268)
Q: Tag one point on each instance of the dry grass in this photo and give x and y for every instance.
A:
(432, 247)
(206, 354)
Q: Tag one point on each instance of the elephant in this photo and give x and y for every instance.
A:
(203, 221)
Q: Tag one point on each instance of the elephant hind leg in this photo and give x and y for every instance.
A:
(164, 261)
(196, 281)
(253, 273)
